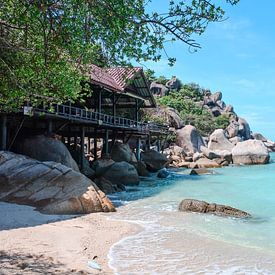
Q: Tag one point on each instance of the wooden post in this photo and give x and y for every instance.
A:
(158, 144)
(148, 143)
(138, 149)
(82, 154)
(136, 110)
(114, 104)
(50, 126)
(106, 142)
(75, 143)
(95, 145)
(89, 145)
(99, 101)
(3, 129)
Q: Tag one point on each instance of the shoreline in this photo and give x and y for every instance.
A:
(60, 245)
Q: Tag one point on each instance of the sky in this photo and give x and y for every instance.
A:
(237, 58)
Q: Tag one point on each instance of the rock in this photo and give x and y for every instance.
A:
(259, 136)
(209, 153)
(229, 109)
(221, 162)
(183, 164)
(154, 160)
(189, 159)
(106, 186)
(216, 96)
(189, 139)
(244, 129)
(122, 173)
(232, 129)
(167, 115)
(86, 170)
(201, 171)
(122, 152)
(173, 84)
(163, 173)
(44, 148)
(221, 104)
(197, 156)
(235, 140)
(100, 166)
(173, 118)
(216, 111)
(191, 205)
(51, 187)
(206, 163)
(141, 169)
(158, 89)
(250, 152)
(270, 145)
(218, 141)
(193, 165)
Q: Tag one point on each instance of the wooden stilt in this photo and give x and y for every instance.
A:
(95, 146)
(138, 149)
(3, 129)
(82, 150)
(106, 142)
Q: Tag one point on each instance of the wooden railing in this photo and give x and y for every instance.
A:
(75, 113)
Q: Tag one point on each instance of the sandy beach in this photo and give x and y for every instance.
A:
(32, 243)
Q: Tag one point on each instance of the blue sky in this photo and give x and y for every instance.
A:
(237, 58)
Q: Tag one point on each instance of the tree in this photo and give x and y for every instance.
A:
(45, 44)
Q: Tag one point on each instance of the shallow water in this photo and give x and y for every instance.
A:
(173, 242)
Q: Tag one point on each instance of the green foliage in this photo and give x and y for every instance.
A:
(222, 121)
(46, 44)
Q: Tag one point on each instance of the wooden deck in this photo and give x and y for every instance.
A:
(90, 118)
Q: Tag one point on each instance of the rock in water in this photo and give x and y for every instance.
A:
(189, 139)
(122, 173)
(250, 152)
(191, 205)
(154, 160)
(51, 187)
(163, 173)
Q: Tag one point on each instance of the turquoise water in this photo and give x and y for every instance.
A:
(218, 245)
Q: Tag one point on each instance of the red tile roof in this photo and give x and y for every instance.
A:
(114, 78)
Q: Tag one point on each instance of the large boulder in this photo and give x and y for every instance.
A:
(158, 89)
(191, 205)
(244, 129)
(44, 148)
(205, 163)
(173, 84)
(218, 141)
(154, 160)
(250, 152)
(232, 129)
(100, 166)
(189, 139)
(270, 145)
(216, 96)
(173, 118)
(259, 136)
(167, 115)
(51, 187)
(122, 173)
(123, 152)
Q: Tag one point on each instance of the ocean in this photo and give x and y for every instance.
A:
(173, 242)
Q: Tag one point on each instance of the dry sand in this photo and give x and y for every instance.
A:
(32, 243)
